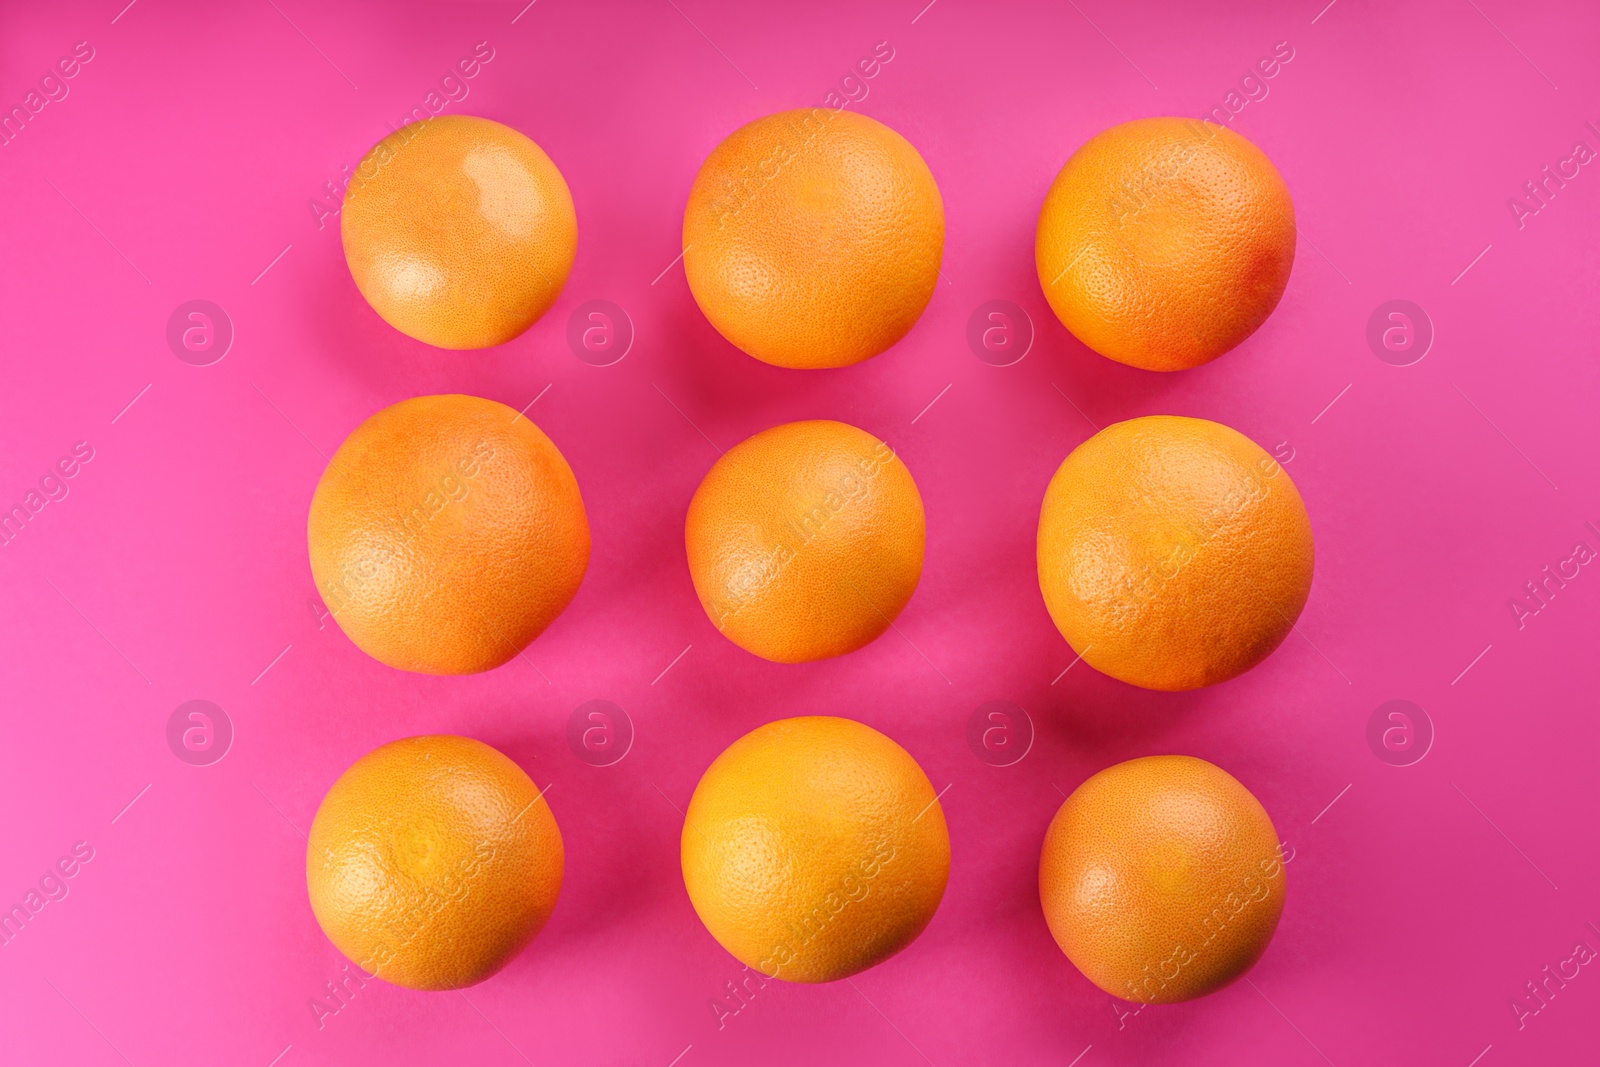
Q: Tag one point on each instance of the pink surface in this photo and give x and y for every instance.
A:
(179, 166)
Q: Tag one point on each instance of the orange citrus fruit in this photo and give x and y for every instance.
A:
(1161, 879)
(459, 231)
(1165, 242)
(815, 848)
(813, 238)
(433, 861)
(446, 533)
(1173, 552)
(805, 541)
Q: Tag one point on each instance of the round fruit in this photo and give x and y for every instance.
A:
(446, 533)
(815, 848)
(459, 231)
(1173, 553)
(1165, 242)
(433, 861)
(1161, 879)
(805, 541)
(813, 238)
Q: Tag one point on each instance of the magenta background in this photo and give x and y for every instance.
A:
(193, 142)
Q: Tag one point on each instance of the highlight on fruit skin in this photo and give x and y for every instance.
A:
(812, 238)
(1173, 552)
(814, 848)
(432, 862)
(1165, 242)
(805, 541)
(1162, 879)
(446, 534)
(459, 231)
